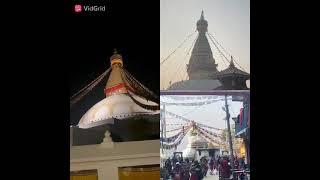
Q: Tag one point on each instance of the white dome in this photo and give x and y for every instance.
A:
(189, 153)
(197, 142)
(116, 106)
(194, 142)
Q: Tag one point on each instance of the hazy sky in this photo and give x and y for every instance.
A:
(228, 22)
(211, 114)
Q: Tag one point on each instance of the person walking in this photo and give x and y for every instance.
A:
(204, 166)
(241, 162)
(168, 166)
(196, 172)
(185, 169)
(211, 164)
(225, 170)
(177, 172)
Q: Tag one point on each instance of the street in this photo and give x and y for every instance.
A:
(211, 177)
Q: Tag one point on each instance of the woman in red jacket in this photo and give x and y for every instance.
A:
(225, 170)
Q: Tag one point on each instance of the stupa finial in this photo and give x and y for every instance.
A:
(202, 16)
(231, 62)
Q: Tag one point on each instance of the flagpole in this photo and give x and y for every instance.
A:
(162, 126)
(230, 137)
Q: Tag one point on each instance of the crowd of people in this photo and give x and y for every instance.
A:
(185, 169)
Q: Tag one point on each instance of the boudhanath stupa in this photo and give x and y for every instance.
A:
(130, 111)
(117, 137)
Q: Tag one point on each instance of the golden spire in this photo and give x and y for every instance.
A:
(115, 83)
(231, 62)
(116, 59)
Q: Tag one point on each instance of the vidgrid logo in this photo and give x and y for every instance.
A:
(78, 8)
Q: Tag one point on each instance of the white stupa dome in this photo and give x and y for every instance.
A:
(198, 143)
(119, 107)
(194, 142)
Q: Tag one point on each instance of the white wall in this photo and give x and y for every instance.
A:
(108, 160)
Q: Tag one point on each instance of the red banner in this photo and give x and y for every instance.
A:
(114, 88)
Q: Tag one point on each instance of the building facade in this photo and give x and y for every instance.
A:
(117, 161)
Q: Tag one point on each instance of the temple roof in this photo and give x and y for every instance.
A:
(200, 84)
(232, 70)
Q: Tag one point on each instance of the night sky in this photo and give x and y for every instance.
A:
(128, 26)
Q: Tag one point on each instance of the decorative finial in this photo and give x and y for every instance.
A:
(107, 141)
(231, 62)
(202, 16)
(116, 58)
(202, 24)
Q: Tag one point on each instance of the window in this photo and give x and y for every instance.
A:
(150, 172)
(84, 175)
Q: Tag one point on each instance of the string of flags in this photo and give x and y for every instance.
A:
(209, 127)
(174, 129)
(177, 116)
(211, 133)
(192, 97)
(200, 131)
(172, 138)
(176, 124)
(176, 143)
(173, 141)
(188, 120)
(190, 103)
(182, 131)
(85, 90)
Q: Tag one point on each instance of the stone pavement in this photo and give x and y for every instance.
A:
(211, 177)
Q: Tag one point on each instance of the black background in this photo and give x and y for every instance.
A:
(284, 88)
